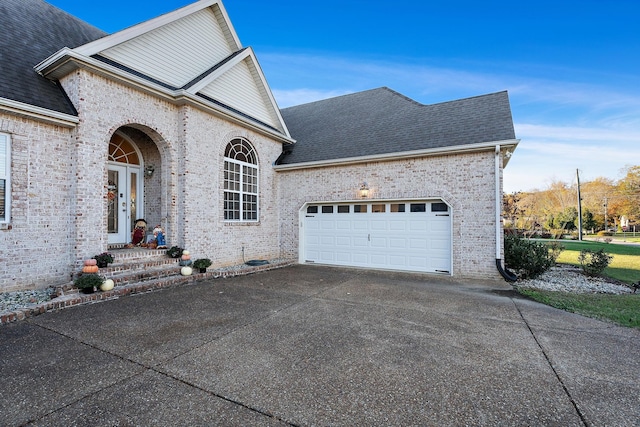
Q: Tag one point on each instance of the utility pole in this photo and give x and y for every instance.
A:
(579, 207)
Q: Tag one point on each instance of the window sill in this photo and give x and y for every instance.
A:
(5, 226)
(241, 223)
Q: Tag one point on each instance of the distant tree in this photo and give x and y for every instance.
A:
(566, 219)
(588, 221)
(510, 208)
(628, 203)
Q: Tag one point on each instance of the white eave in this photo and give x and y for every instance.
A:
(67, 60)
(39, 113)
(507, 147)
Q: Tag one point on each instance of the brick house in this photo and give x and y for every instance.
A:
(173, 121)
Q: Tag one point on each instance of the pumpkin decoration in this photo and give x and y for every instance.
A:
(107, 285)
(91, 261)
(186, 271)
(90, 269)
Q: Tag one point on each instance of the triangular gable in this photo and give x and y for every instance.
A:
(173, 48)
(194, 49)
(240, 84)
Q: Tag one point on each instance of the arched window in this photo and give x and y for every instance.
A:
(240, 182)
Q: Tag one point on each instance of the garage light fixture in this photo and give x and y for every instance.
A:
(149, 170)
(364, 190)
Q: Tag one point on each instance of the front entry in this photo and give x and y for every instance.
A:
(124, 189)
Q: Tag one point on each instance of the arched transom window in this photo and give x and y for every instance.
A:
(240, 181)
(121, 151)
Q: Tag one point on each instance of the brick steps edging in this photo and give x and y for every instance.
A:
(74, 298)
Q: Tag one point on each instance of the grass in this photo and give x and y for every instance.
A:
(625, 266)
(621, 309)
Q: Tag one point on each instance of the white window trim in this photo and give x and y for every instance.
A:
(7, 178)
(242, 192)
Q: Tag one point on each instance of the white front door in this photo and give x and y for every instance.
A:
(124, 201)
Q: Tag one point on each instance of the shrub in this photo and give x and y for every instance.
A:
(594, 263)
(604, 233)
(529, 258)
(88, 281)
(202, 263)
(174, 252)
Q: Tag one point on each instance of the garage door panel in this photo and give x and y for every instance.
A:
(327, 225)
(398, 244)
(360, 241)
(411, 241)
(379, 242)
(378, 225)
(343, 241)
(418, 226)
(343, 225)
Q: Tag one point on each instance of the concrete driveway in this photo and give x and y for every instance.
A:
(308, 345)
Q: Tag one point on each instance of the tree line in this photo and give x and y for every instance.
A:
(606, 205)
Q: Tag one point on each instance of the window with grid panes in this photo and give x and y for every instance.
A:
(240, 182)
(5, 188)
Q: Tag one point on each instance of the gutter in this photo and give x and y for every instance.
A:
(507, 275)
(438, 151)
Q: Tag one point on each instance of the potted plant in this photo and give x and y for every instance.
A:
(174, 252)
(202, 264)
(103, 259)
(87, 283)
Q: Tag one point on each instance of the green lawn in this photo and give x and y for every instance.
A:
(621, 309)
(625, 266)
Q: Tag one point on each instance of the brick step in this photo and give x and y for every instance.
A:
(69, 296)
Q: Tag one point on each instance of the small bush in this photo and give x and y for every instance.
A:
(594, 263)
(87, 281)
(174, 252)
(529, 258)
(604, 233)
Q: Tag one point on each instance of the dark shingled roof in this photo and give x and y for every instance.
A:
(33, 30)
(382, 121)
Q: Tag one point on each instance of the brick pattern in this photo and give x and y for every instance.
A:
(59, 199)
(465, 181)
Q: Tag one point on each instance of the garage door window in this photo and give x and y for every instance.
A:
(359, 208)
(397, 207)
(439, 207)
(418, 207)
(343, 209)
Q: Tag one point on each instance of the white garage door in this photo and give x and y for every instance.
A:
(409, 236)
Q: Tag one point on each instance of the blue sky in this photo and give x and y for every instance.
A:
(572, 67)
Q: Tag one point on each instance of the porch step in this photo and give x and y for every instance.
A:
(68, 296)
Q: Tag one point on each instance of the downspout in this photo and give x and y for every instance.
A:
(506, 274)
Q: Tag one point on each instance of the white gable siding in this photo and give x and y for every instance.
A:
(178, 52)
(237, 88)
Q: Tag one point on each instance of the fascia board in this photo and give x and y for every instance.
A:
(38, 113)
(127, 34)
(387, 157)
(268, 90)
(180, 96)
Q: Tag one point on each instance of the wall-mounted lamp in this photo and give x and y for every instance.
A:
(148, 171)
(364, 190)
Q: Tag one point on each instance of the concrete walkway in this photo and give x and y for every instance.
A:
(308, 345)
